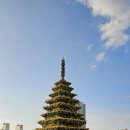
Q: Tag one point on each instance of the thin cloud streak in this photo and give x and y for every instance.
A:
(100, 57)
(93, 66)
(90, 47)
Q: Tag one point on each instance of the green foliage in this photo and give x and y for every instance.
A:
(62, 87)
(62, 81)
(61, 111)
(63, 121)
(62, 128)
(62, 92)
(62, 98)
(62, 105)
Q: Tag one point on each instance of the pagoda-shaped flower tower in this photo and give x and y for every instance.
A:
(62, 109)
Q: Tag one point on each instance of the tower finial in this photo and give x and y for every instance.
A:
(62, 68)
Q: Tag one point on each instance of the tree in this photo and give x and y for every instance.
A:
(62, 109)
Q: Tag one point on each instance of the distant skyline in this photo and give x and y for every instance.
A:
(92, 36)
(6, 126)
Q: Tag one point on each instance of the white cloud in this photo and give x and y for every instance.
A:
(118, 14)
(89, 47)
(93, 66)
(100, 57)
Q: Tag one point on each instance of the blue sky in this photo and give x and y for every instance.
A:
(35, 35)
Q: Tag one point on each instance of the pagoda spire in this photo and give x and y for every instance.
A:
(62, 109)
(62, 68)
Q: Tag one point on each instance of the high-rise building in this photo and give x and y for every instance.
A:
(82, 111)
(19, 127)
(6, 126)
